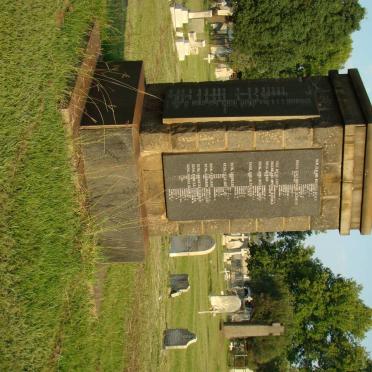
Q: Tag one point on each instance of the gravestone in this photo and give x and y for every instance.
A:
(225, 303)
(257, 156)
(219, 157)
(178, 338)
(191, 245)
(179, 283)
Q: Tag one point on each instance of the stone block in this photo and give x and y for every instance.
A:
(153, 185)
(331, 179)
(152, 141)
(332, 172)
(240, 137)
(326, 135)
(298, 137)
(151, 162)
(269, 136)
(159, 225)
(216, 227)
(270, 224)
(329, 216)
(332, 153)
(190, 228)
(154, 207)
(301, 223)
(212, 137)
(243, 225)
(331, 189)
(356, 210)
(346, 205)
(184, 137)
(360, 140)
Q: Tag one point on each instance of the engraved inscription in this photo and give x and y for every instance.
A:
(250, 98)
(242, 184)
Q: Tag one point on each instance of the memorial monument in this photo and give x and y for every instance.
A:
(258, 155)
(218, 157)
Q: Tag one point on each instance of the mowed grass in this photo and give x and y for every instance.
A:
(144, 342)
(154, 310)
(48, 320)
(149, 36)
(48, 317)
(209, 353)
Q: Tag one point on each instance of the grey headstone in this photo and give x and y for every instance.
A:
(178, 338)
(244, 184)
(179, 283)
(191, 245)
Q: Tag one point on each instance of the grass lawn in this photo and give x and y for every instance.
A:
(48, 317)
(209, 353)
(149, 36)
(154, 311)
(48, 320)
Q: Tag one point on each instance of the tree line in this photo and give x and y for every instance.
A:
(325, 320)
(281, 38)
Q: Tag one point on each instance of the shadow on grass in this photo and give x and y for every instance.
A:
(113, 40)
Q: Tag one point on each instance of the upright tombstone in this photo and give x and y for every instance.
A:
(191, 245)
(258, 156)
(178, 338)
(179, 283)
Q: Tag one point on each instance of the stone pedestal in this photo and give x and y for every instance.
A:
(242, 330)
(258, 156)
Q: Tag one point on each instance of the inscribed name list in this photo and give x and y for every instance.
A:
(230, 185)
(240, 100)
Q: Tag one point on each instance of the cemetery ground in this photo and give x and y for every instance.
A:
(149, 36)
(50, 318)
(154, 310)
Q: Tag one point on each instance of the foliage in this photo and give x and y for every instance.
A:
(291, 37)
(329, 318)
(273, 304)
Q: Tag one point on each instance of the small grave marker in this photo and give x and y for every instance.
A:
(179, 283)
(178, 338)
(191, 245)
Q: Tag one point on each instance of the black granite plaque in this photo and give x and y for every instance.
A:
(272, 99)
(259, 184)
(113, 94)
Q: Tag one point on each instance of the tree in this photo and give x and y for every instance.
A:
(273, 304)
(290, 37)
(329, 318)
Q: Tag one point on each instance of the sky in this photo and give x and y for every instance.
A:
(351, 256)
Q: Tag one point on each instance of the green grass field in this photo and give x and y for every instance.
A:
(46, 248)
(149, 36)
(47, 318)
(209, 353)
(154, 311)
(51, 318)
